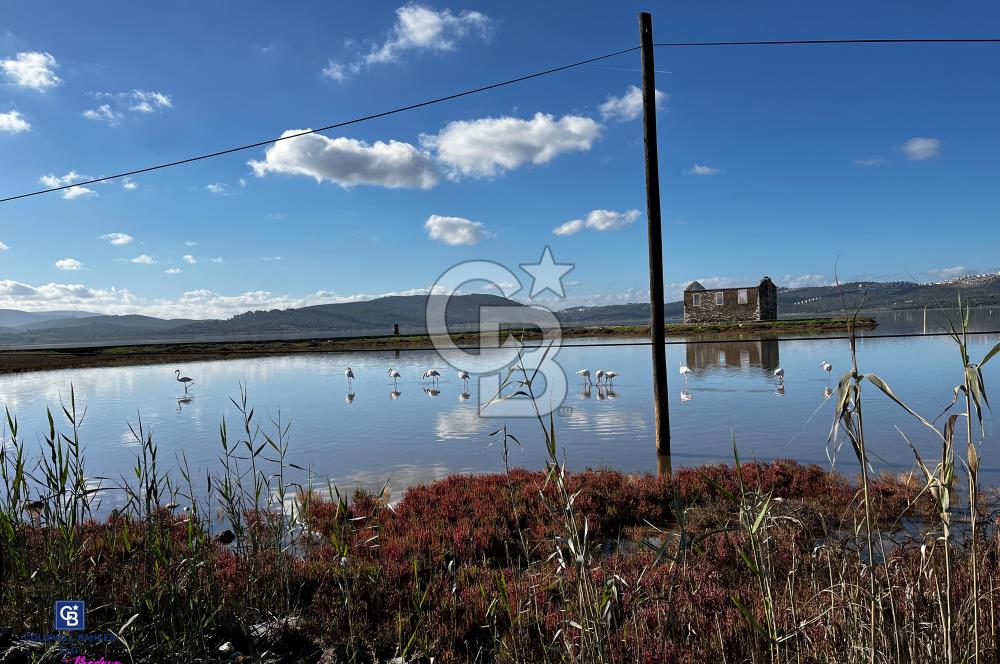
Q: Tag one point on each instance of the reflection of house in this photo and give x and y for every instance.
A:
(731, 305)
(761, 353)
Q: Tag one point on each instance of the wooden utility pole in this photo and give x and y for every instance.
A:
(661, 409)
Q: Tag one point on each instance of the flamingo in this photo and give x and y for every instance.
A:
(585, 373)
(394, 375)
(684, 372)
(464, 376)
(779, 373)
(184, 380)
(350, 376)
(433, 374)
(826, 366)
(609, 377)
(599, 375)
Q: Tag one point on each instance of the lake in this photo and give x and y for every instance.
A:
(411, 434)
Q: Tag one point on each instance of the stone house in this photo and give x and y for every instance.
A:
(731, 305)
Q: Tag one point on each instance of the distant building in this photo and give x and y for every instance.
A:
(731, 305)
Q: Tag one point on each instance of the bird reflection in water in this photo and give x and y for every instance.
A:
(827, 392)
(349, 398)
(780, 389)
(395, 394)
(686, 396)
(432, 391)
(611, 394)
(586, 392)
(602, 394)
(464, 396)
(183, 401)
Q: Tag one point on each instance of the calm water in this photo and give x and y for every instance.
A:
(416, 436)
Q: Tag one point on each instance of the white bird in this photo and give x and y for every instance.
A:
(184, 380)
(433, 374)
(779, 373)
(464, 376)
(585, 373)
(599, 375)
(684, 372)
(826, 366)
(350, 375)
(609, 377)
(394, 375)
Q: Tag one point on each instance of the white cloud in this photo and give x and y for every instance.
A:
(949, 272)
(216, 188)
(143, 259)
(191, 243)
(189, 259)
(104, 113)
(130, 184)
(3, 247)
(804, 281)
(117, 105)
(870, 161)
(52, 180)
(118, 239)
(217, 259)
(598, 220)
(417, 28)
(698, 169)
(454, 230)
(12, 122)
(490, 146)
(69, 264)
(172, 270)
(917, 149)
(31, 69)
(272, 259)
(349, 162)
(629, 105)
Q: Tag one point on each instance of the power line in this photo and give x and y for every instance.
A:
(364, 118)
(814, 42)
(492, 86)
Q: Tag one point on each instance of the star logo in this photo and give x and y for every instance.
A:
(547, 274)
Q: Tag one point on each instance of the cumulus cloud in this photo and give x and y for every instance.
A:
(31, 69)
(118, 105)
(454, 230)
(949, 272)
(129, 183)
(919, 148)
(629, 105)
(118, 239)
(417, 28)
(189, 259)
(598, 220)
(349, 162)
(69, 264)
(52, 180)
(191, 243)
(699, 169)
(143, 259)
(216, 188)
(490, 146)
(12, 122)
(172, 270)
(804, 280)
(3, 247)
(216, 259)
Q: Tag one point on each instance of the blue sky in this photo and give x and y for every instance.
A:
(773, 160)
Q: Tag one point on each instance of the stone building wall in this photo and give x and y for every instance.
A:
(730, 311)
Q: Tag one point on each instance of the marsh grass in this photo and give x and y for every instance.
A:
(751, 562)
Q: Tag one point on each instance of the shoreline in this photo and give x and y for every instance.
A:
(48, 359)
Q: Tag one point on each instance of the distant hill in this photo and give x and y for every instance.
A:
(17, 318)
(376, 317)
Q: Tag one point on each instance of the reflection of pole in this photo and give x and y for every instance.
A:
(656, 332)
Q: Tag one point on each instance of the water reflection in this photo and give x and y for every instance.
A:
(349, 397)
(758, 353)
(432, 391)
(183, 401)
(464, 396)
(686, 396)
(395, 394)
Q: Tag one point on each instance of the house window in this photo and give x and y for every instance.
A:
(741, 296)
(696, 299)
(719, 299)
